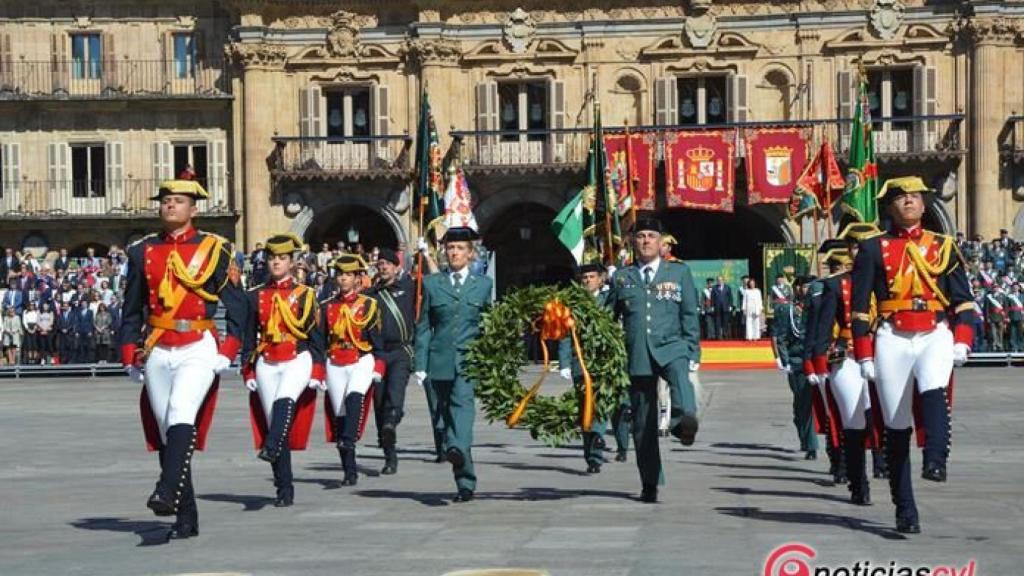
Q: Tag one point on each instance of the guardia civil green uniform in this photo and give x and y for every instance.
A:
(658, 307)
(789, 329)
(449, 322)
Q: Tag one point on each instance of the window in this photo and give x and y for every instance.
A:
(522, 106)
(184, 56)
(88, 170)
(702, 100)
(191, 157)
(348, 112)
(891, 95)
(86, 56)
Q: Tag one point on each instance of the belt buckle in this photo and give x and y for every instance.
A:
(919, 305)
(181, 325)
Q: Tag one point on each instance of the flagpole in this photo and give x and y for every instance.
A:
(422, 209)
(631, 190)
(603, 184)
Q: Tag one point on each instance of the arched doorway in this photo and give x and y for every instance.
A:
(351, 225)
(721, 235)
(525, 251)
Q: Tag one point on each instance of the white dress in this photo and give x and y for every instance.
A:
(753, 312)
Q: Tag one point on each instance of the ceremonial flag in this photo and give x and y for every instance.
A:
(428, 167)
(816, 185)
(631, 165)
(598, 181)
(458, 202)
(568, 227)
(775, 156)
(862, 175)
(699, 171)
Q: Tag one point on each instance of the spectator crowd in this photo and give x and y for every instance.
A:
(63, 309)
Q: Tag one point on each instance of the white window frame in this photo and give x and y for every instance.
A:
(90, 178)
(702, 96)
(87, 73)
(347, 108)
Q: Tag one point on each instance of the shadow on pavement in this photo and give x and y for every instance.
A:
(766, 467)
(767, 456)
(740, 446)
(743, 491)
(535, 467)
(848, 522)
(526, 494)
(815, 481)
(150, 532)
(249, 503)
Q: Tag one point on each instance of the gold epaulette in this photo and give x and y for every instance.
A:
(862, 316)
(963, 307)
(141, 240)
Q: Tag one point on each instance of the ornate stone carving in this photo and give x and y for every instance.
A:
(313, 21)
(252, 55)
(431, 51)
(886, 18)
(343, 37)
(519, 30)
(989, 30)
(700, 30)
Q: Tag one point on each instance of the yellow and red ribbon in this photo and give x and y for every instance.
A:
(555, 324)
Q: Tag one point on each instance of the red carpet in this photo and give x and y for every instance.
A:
(736, 355)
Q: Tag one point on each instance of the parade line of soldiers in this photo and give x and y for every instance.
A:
(907, 293)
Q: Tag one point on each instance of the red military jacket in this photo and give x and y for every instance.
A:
(282, 344)
(351, 326)
(174, 284)
(918, 280)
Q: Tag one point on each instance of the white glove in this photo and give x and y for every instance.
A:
(814, 379)
(867, 369)
(421, 244)
(251, 384)
(377, 377)
(960, 352)
(421, 377)
(565, 373)
(135, 373)
(694, 366)
(221, 364)
(315, 384)
(611, 271)
(782, 367)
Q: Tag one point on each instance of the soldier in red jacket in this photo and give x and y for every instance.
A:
(926, 314)
(168, 340)
(283, 363)
(351, 325)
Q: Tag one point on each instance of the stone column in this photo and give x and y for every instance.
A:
(260, 63)
(990, 39)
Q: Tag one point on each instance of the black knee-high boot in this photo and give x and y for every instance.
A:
(283, 478)
(353, 413)
(878, 466)
(281, 414)
(897, 455)
(388, 439)
(186, 523)
(837, 463)
(177, 459)
(935, 418)
(856, 471)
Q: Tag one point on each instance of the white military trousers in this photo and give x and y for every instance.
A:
(900, 358)
(177, 380)
(851, 393)
(349, 379)
(282, 380)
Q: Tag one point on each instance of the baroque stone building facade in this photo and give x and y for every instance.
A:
(311, 125)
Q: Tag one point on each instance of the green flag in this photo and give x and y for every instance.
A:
(568, 227)
(862, 175)
(428, 166)
(606, 199)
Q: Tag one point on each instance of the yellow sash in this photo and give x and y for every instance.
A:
(178, 296)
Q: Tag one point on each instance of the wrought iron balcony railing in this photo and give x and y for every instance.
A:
(125, 198)
(1011, 140)
(117, 78)
(350, 156)
(906, 138)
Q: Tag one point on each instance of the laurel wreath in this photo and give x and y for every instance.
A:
(495, 359)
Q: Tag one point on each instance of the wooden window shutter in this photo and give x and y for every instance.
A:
(556, 120)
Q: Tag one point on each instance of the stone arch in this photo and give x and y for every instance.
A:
(626, 97)
(491, 207)
(315, 207)
(776, 92)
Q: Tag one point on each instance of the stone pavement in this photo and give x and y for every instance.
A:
(75, 478)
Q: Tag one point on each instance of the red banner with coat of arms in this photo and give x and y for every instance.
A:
(699, 170)
(631, 165)
(775, 159)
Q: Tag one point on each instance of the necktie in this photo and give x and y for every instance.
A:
(457, 281)
(647, 275)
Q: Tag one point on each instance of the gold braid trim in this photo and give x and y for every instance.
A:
(346, 324)
(177, 267)
(281, 311)
(926, 271)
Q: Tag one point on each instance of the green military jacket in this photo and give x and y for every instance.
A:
(996, 307)
(449, 322)
(566, 350)
(788, 332)
(1014, 302)
(661, 321)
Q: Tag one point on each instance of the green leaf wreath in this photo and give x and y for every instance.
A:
(496, 357)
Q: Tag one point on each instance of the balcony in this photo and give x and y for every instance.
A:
(116, 79)
(127, 198)
(908, 139)
(355, 157)
(1011, 140)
